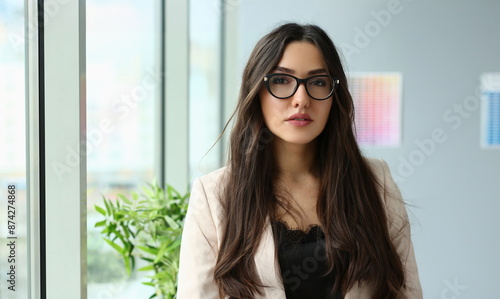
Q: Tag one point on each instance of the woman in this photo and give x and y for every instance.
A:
(297, 212)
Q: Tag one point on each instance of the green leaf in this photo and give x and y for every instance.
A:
(161, 252)
(172, 193)
(120, 236)
(171, 222)
(158, 275)
(114, 245)
(127, 231)
(147, 259)
(149, 249)
(108, 205)
(174, 244)
(100, 210)
(125, 199)
(100, 223)
(147, 268)
(127, 265)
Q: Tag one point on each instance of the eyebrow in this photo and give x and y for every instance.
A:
(290, 71)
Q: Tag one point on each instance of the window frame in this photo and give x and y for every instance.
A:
(55, 83)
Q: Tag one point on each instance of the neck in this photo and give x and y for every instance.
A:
(295, 161)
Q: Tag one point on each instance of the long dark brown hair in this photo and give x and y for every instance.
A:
(350, 208)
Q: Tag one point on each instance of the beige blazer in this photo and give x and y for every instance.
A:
(202, 235)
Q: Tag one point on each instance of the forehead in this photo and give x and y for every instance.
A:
(302, 57)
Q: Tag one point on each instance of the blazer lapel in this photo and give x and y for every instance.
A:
(267, 266)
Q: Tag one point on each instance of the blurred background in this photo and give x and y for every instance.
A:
(425, 76)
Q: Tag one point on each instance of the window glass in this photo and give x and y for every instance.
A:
(123, 90)
(13, 221)
(204, 86)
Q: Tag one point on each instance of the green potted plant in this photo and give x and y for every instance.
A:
(147, 225)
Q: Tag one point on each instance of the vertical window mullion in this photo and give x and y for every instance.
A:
(33, 148)
(176, 93)
(65, 149)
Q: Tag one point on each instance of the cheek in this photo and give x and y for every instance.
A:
(324, 111)
(271, 109)
(264, 106)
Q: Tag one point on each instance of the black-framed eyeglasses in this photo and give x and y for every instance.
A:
(283, 86)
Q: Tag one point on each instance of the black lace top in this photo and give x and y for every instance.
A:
(302, 260)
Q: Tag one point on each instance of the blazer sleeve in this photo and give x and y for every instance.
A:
(400, 232)
(198, 250)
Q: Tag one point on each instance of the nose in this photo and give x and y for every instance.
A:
(301, 99)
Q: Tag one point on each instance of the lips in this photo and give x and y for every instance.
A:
(299, 120)
(300, 116)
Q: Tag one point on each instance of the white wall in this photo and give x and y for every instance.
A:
(441, 48)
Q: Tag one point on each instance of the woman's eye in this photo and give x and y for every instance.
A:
(318, 82)
(280, 80)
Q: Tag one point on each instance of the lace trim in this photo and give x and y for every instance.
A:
(298, 229)
(291, 238)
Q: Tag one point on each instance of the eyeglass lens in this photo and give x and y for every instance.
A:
(284, 86)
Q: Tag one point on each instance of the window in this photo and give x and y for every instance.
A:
(13, 228)
(205, 94)
(123, 92)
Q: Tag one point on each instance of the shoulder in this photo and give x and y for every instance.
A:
(383, 176)
(211, 182)
(378, 167)
(205, 191)
(214, 176)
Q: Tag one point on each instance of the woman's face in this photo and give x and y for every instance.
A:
(300, 118)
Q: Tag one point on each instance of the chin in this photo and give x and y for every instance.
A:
(299, 140)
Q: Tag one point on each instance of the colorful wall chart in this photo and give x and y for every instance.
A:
(490, 110)
(377, 100)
